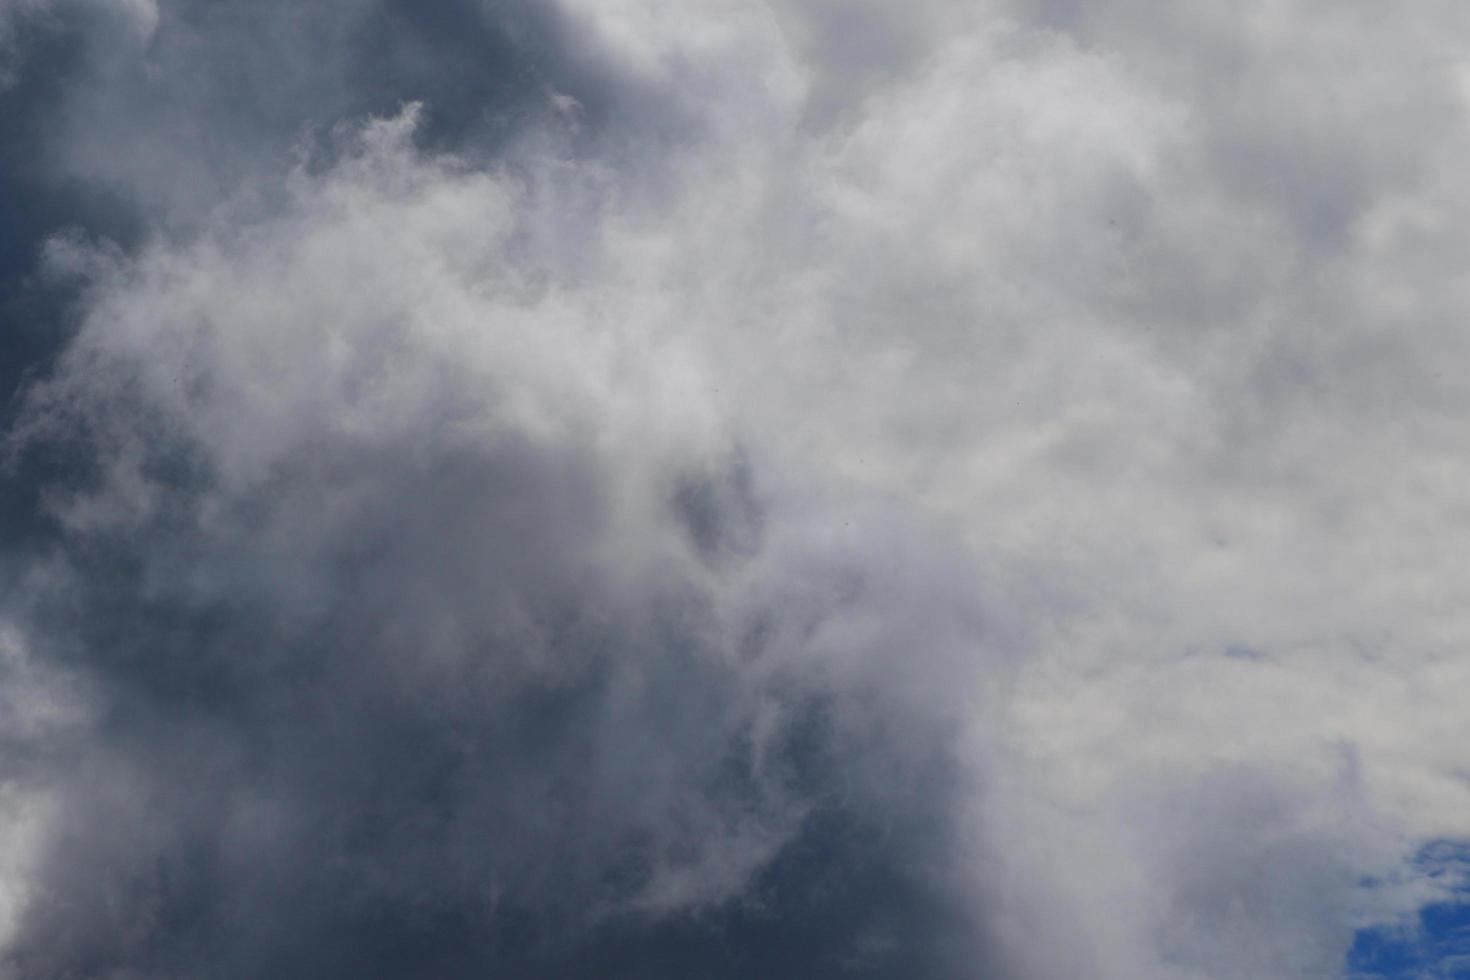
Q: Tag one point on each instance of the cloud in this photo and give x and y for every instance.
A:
(397, 547)
(23, 20)
(977, 484)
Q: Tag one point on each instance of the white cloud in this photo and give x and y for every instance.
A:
(1154, 317)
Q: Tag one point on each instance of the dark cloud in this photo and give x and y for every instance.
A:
(408, 700)
(383, 715)
(35, 203)
(435, 748)
(220, 95)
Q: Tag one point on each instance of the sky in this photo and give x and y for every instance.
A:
(721, 489)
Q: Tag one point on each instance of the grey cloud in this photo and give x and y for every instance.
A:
(454, 758)
(404, 672)
(721, 512)
(222, 93)
(604, 489)
(1255, 889)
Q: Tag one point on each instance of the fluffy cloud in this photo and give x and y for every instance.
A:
(1010, 446)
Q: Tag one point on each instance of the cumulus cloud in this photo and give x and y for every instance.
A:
(967, 490)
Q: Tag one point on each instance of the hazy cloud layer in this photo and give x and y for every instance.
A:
(804, 488)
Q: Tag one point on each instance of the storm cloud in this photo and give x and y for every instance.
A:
(789, 489)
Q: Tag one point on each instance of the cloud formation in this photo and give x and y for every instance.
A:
(783, 489)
